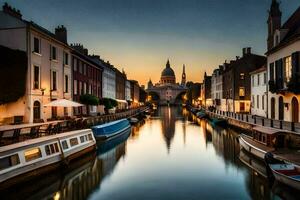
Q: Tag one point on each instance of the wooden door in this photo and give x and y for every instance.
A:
(280, 109)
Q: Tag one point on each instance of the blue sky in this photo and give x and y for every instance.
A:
(140, 35)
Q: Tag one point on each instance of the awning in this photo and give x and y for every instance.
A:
(121, 101)
(63, 103)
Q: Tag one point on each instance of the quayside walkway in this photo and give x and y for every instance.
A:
(10, 134)
(257, 120)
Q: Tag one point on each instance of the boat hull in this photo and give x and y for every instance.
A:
(286, 180)
(102, 138)
(259, 153)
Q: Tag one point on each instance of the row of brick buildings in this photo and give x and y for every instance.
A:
(55, 70)
(265, 85)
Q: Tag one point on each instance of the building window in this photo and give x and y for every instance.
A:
(64, 144)
(79, 66)
(73, 142)
(51, 149)
(242, 91)
(9, 161)
(66, 58)
(54, 112)
(75, 87)
(84, 88)
(36, 110)
(80, 92)
(242, 76)
(258, 79)
(265, 78)
(32, 154)
(36, 78)
(263, 101)
(288, 68)
(66, 83)
(252, 78)
(54, 81)
(75, 64)
(84, 69)
(257, 103)
(53, 53)
(253, 102)
(36, 45)
(271, 72)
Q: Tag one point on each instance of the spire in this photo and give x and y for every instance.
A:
(275, 10)
(168, 64)
(183, 77)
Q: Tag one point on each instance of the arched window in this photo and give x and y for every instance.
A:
(36, 110)
(295, 110)
(272, 108)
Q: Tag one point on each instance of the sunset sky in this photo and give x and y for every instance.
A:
(140, 35)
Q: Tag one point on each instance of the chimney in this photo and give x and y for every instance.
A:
(11, 11)
(79, 47)
(61, 34)
(246, 51)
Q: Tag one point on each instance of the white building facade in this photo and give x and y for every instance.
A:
(127, 91)
(108, 82)
(217, 89)
(49, 70)
(259, 92)
(283, 66)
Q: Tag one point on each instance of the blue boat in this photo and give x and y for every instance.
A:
(111, 129)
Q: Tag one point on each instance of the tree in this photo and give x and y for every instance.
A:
(108, 103)
(89, 100)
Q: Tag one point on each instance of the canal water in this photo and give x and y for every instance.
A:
(171, 155)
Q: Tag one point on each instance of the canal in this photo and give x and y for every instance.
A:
(171, 155)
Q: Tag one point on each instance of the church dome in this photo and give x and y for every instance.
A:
(168, 75)
(168, 72)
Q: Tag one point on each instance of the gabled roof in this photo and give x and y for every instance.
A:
(263, 68)
(293, 27)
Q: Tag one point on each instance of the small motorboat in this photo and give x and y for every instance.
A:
(283, 172)
(111, 129)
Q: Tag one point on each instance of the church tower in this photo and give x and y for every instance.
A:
(274, 22)
(183, 77)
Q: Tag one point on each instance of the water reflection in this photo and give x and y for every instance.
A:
(201, 162)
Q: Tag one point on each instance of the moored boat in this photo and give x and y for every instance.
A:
(262, 141)
(218, 121)
(22, 160)
(201, 114)
(112, 129)
(133, 120)
(284, 172)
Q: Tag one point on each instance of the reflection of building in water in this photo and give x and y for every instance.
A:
(207, 132)
(168, 115)
(225, 143)
(256, 178)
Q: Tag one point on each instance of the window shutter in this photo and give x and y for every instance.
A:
(295, 63)
(280, 75)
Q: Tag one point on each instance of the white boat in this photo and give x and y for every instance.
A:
(111, 129)
(288, 174)
(25, 159)
(262, 141)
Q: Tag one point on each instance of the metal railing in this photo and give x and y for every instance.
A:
(272, 123)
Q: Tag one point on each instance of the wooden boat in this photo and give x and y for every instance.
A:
(253, 163)
(283, 172)
(201, 114)
(112, 129)
(262, 141)
(218, 121)
(22, 160)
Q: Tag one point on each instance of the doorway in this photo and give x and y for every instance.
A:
(295, 110)
(280, 108)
